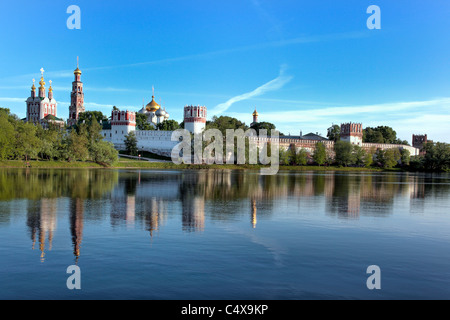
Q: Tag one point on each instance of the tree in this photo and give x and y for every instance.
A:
(368, 158)
(405, 157)
(264, 125)
(223, 123)
(76, 147)
(381, 134)
(142, 122)
(91, 116)
(301, 157)
(320, 154)
(437, 156)
(334, 133)
(26, 143)
(388, 158)
(168, 125)
(104, 153)
(284, 156)
(344, 153)
(372, 136)
(6, 135)
(131, 144)
(359, 155)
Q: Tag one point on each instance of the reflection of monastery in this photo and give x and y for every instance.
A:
(42, 109)
(140, 200)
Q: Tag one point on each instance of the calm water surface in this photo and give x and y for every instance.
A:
(223, 234)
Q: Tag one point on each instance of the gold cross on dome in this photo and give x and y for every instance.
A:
(42, 71)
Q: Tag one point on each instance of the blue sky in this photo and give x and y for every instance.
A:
(303, 64)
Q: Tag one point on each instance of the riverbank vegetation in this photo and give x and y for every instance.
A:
(25, 141)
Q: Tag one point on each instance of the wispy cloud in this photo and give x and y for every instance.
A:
(304, 39)
(272, 85)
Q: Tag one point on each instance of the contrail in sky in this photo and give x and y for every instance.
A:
(272, 85)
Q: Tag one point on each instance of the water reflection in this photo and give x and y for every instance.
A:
(146, 199)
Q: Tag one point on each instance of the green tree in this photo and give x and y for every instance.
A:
(168, 125)
(142, 122)
(320, 154)
(91, 116)
(334, 133)
(264, 125)
(344, 153)
(359, 155)
(368, 158)
(223, 123)
(26, 143)
(388, 158)
(405, 157)
(104, 153)
(380, 134)
(7, 135)
(285, 158)
(76, 146)
(131, 144)
(437, 156)
(301, 157)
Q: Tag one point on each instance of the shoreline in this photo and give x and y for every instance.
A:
(135, 164)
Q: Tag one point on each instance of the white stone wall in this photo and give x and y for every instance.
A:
(158, 142)
(353, 140)
(195, 127)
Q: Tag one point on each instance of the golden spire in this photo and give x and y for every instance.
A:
(152, 106)
(33, 88)
(77, 70)
(50, 89)
(42, 82)
(255, 113)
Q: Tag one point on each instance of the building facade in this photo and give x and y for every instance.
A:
(42, 109)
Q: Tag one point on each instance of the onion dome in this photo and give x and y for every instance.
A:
(166, 115)
(77, 71)
(152, 106)
(33, 88)
(160, 113)
(255, 113)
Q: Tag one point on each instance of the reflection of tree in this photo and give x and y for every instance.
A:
(55, 183)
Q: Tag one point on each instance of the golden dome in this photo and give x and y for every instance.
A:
(255, 113)
(42, 82)
(77, 71)
(153, 105)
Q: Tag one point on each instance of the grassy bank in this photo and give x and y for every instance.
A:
(136, 164)
(47, 164)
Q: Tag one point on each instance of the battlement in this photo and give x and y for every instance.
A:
(123, 118)
(352, 129)
(352, 132)
(195, 118)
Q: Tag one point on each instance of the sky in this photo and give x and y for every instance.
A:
(304, 65)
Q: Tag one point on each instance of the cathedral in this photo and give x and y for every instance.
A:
(154, 112)
(42, 109)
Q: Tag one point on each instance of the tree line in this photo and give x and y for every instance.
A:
(21, 140)
(435, 157)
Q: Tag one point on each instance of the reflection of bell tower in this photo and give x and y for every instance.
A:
(193, 213)
(41, 221)
(76, 225)
(254, 212)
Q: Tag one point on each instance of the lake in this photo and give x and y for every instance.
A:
(150, 234)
